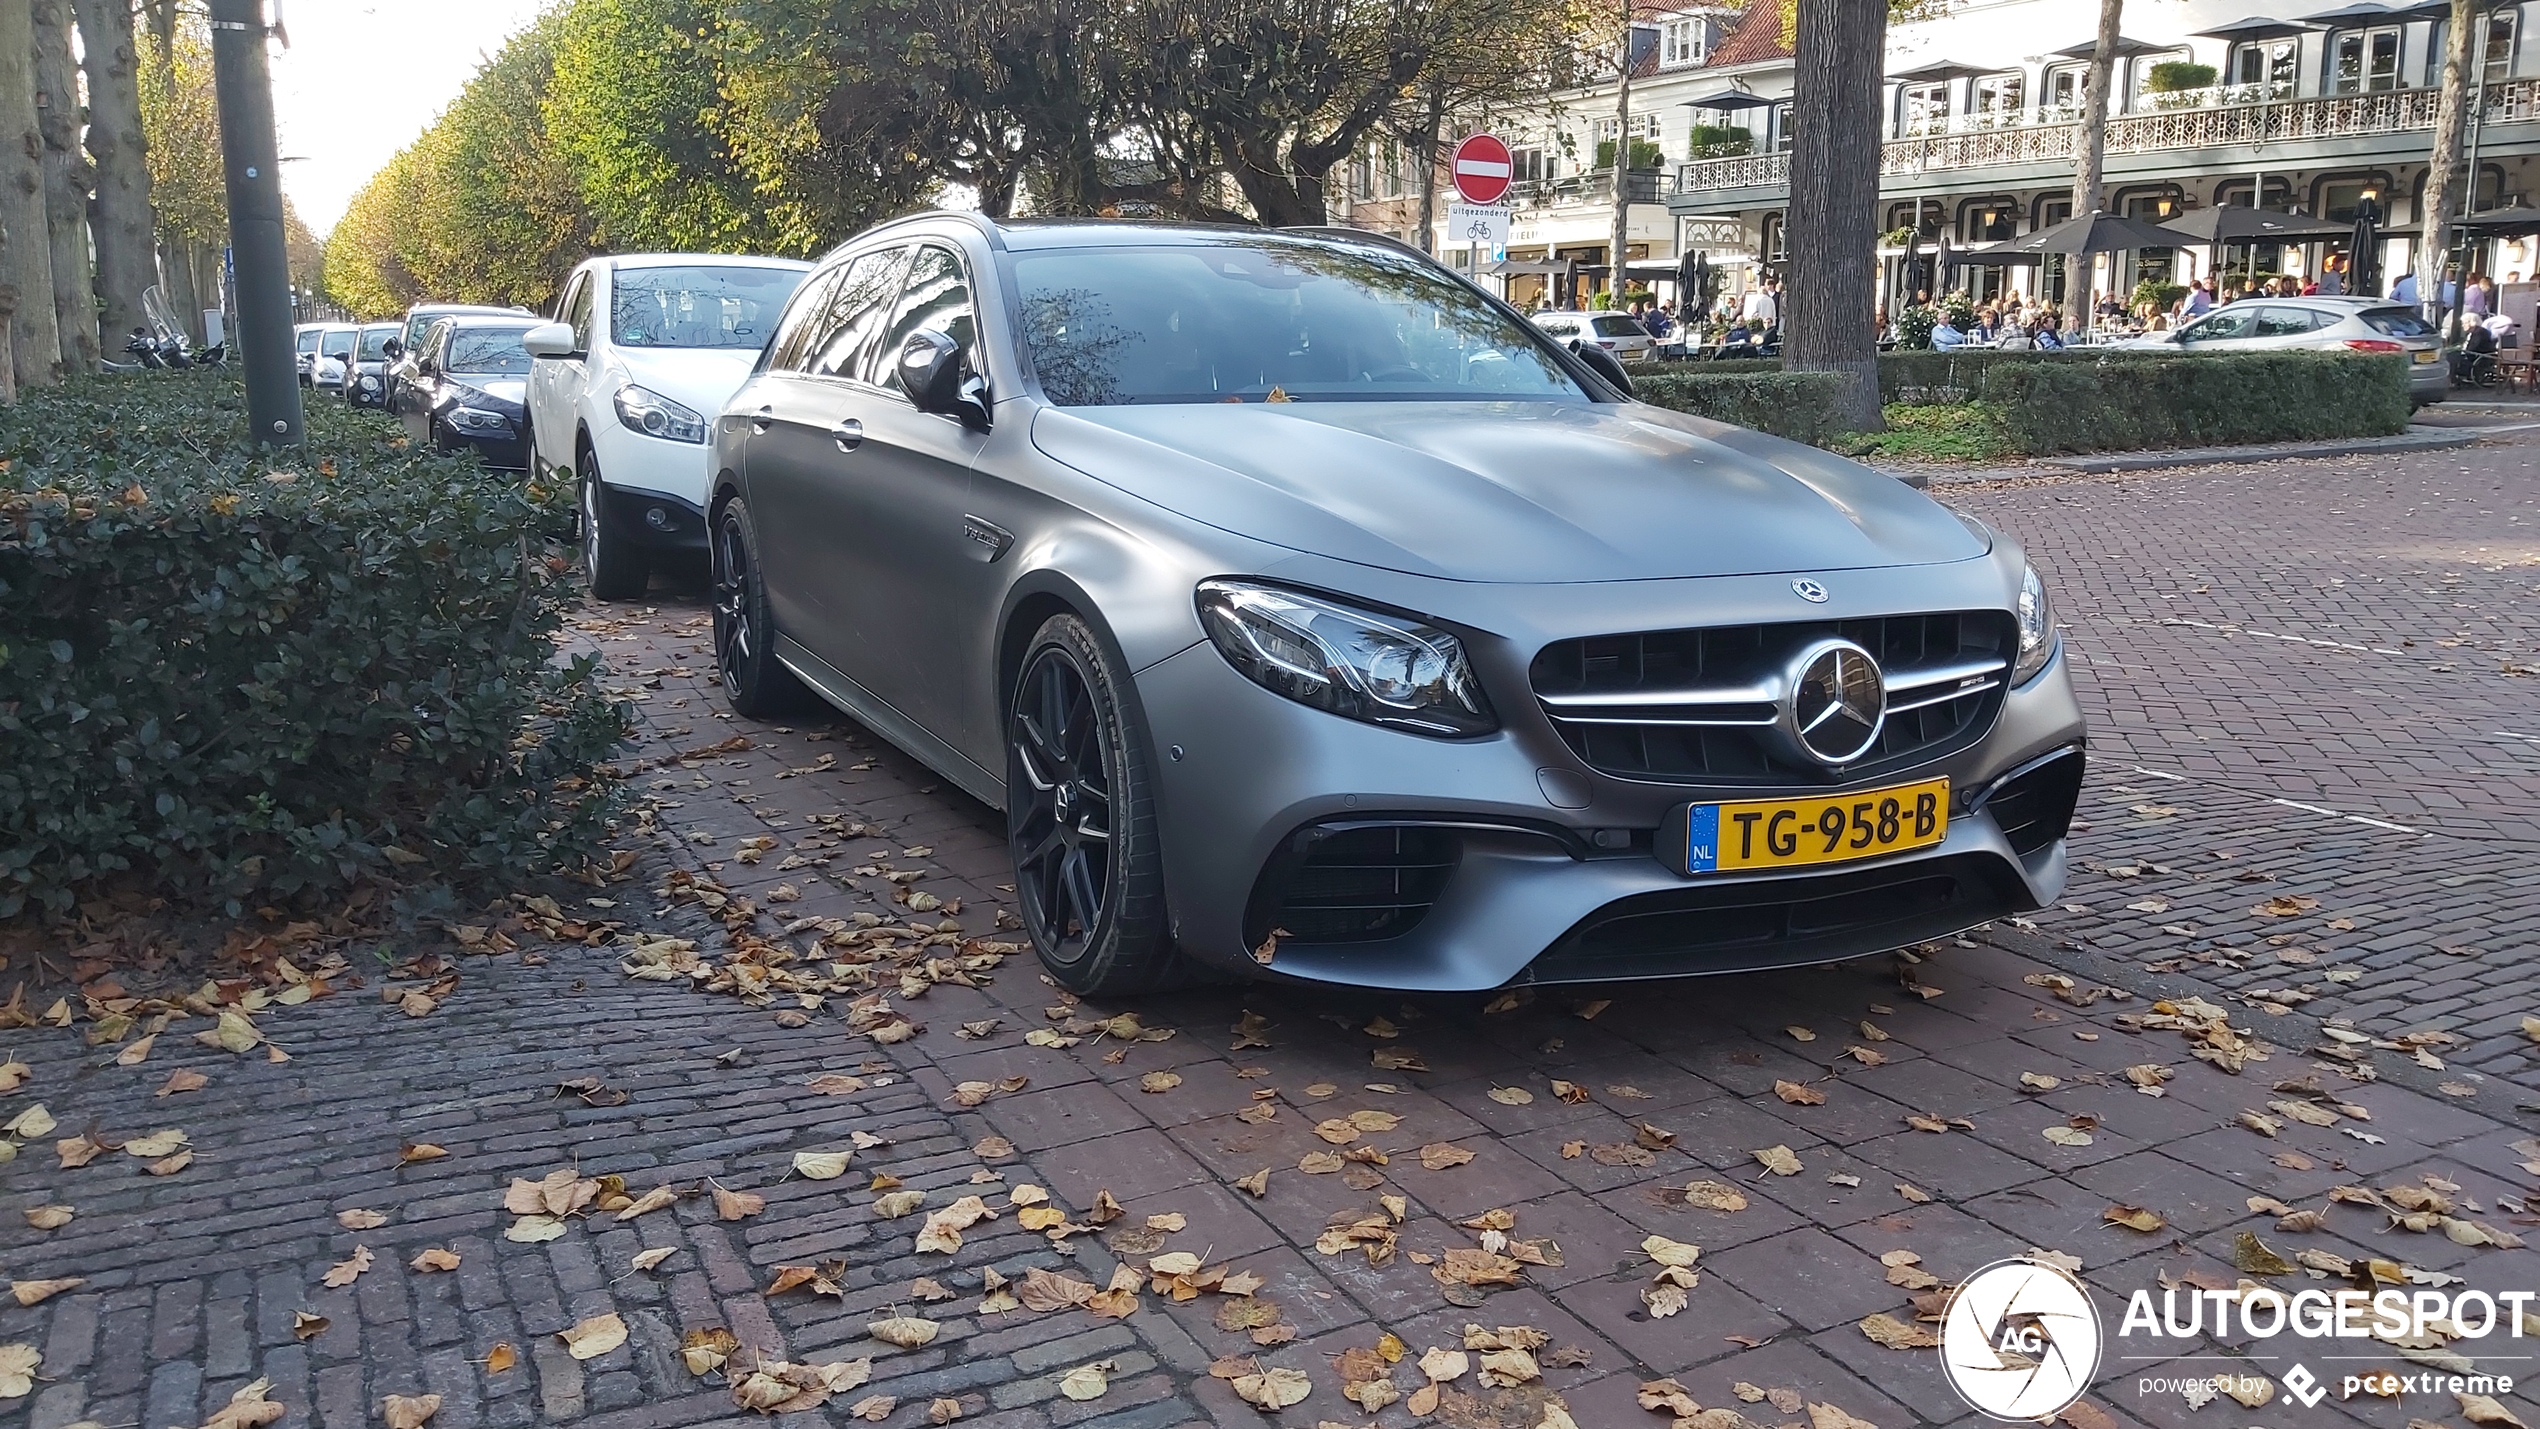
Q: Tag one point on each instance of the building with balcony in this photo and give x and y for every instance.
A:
(2295, 107)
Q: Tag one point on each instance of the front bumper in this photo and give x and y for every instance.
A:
(663, 524)
(504, 452)
(1506, 860)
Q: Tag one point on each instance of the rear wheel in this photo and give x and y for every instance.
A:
(618, 568)
(1080, 820)
(744, 635)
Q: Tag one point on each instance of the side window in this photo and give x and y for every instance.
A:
(802, 322)
(577, 310)
(2282, 322)
(937, 296)
(861, 303)
(2228, 322)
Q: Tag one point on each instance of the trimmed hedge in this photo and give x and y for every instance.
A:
(2082, 400)
(1797, 405)
(232, 677)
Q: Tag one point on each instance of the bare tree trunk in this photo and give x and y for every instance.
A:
(8, 372)
(2443, 180)
(1619, 239)
(209, 269)
(121, 222)
(1432, 120)
(2090, 155)
(35, 341)
(1830, 297)
(176, 282)
(66, 184)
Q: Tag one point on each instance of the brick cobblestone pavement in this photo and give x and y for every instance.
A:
(193, 1281)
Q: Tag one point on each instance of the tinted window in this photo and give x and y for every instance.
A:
(306, 342)
(577, 311)
(416, 326)
(1241, 320)
(802, 322)
(339, 343)
(487, 350)
(375, 342)
(936, 296)
(2396, 322)
(1619, 327)
(698, 307)
(2284, 322)
(862, 302)
(2227, 322)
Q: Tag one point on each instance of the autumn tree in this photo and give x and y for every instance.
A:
(506, 219)
(627, 110)
(369, 271)
(120, 221)
(2445, 171)
(180, 118)
(26, 249)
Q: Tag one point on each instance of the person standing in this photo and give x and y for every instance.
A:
(2405, 290)
(2333, 278)
(1763, 310)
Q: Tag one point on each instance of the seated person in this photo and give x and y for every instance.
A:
(2477, 357)
(1945, 336)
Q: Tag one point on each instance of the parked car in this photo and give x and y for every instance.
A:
(366, 377)
(2326, 324)
(336, 344)
(1313, 614)
(1617, 333)
(467, 388)
(622, 391)
(304, 348)
(419, 320)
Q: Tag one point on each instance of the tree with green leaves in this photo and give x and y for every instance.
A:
(627, 110)
(506, 221)
(188, 190)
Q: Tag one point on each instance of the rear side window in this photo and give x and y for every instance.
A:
(856, 310)
(1619, 327)
(802, 322)
(2396, 322)
(937, 296)
(577, 311)
(2231, 322)
(2286, 322)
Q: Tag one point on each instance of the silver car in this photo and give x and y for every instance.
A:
(2324, 324)
(1312, 614)
(1617, 333)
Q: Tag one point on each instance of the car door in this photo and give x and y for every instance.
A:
(802, 502)
(784, 552)
(2278, 327)
(556, 383)
(417, 395)
(2224, 329)
(901, 538)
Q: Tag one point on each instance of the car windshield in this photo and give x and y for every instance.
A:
(698, 307)
(375, 343)
(339, 343)
(2397, 322)
(494, 350)
(1268, 321)
(1619, 327)
(307, 342)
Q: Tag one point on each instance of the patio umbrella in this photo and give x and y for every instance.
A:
(2256, 28)
(1941, 263)
(2127, 48)
(1569, 279)
(2098, 232)
(2234, 223)
(2378, 14)
(1940, 72)
(2363, 276)
(1729, 99)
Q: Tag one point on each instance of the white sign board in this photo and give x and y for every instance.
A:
(1477, 225)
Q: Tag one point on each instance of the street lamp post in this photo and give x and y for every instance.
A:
(251, 167)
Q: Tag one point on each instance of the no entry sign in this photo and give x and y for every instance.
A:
(1482, 169)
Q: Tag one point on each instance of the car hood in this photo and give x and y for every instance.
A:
(1522, 492)
(513, 390)
(699, 378)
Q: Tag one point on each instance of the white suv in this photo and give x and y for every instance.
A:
(623, 391)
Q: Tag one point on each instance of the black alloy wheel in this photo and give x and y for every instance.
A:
(1080, 821)
(744, 635)
(616, 567)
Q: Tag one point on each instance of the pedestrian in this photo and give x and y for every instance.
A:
(2200, 297)
(2479, 298)
(1763, 309)
(2333, 277)
(2405, 290)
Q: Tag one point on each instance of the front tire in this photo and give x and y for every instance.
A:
(617, 567)
(1080, 820)
(744, 633)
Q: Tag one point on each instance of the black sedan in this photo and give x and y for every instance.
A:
(468, 389)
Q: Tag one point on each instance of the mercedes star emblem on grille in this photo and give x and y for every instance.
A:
(1836, 703)
(1809, 591)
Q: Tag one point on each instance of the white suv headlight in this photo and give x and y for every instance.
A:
(2037, 628)
(641, 409)
(1384, 669)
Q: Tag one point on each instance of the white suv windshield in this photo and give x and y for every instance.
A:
(698, 307)
(1268, 320)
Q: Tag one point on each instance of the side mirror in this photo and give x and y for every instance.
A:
(938, 379)
(549, 340)
(392, 349)
(1604, 364)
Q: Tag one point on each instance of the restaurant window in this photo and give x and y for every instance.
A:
(2144, 64)
(1775, 248)
(1684, 40)
(2064, 86)
(2337, 199)
(1921, 108)
(2000, 97)
(2364, 61)
(2264, 70)
(2238, 193)
(2157, 265)
(1777, 128)
(2052, 211)
(2503, 30)
(1988, 220)
(1924, 217)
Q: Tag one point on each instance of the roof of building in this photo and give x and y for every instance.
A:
(1758, 36)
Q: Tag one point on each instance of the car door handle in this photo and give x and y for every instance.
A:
(762, 419)
(848, 434)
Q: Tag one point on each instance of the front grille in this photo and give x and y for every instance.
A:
(1352, 884)
(1698, 706)
(2035, 806)
(1780, 922)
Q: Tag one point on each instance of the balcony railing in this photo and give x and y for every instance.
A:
(1593, 188)
(2207, 118)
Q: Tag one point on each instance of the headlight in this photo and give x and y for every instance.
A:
(1385, 669)
(477, 419)
(643, 410)
(2037, 628)
(369, 383)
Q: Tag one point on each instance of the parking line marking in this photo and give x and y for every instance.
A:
(2157, 774)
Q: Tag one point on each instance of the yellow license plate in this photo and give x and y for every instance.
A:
(2427, 356)
(1797, 833)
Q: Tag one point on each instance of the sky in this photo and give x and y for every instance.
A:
(364, 77)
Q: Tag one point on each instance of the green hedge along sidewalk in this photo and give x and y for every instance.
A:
(2050, 404)
(233, 676)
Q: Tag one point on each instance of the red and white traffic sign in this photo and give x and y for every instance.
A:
(1482, 169)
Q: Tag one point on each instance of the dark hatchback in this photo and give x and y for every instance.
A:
(468, 387)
